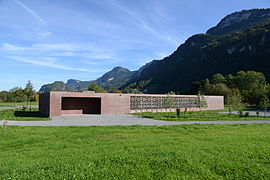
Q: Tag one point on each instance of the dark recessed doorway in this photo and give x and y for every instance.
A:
(87, 105)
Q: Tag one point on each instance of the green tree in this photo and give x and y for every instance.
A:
(255, 94)
(268, 92)
(24, 98)
(95, 87)
(171, 93)
(247, 80)
(218, 89)
(204, 84)
(196, 87)
(29, 92)
(18, 95)
(250, 84)
(199, 86)
(136, 91)
(168, 102)
(4, 96)
(264, 104)
(230, 81)
(218, 78)
(235, 101)
(10, 98)
(201, 101)
(14, 89)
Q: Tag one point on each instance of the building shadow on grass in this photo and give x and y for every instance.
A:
(29, 114)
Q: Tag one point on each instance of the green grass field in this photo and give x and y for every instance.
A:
(136, 152)
(20, 115)
(5, 104)
(198, 116)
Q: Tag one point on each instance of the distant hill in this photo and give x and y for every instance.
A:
(111, 80)
(56, 86)
(115, 78)
(78, 85)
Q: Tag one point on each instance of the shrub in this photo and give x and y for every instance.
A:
(178, 112)
(246, 114)
(257, 113)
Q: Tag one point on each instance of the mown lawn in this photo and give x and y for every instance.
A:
(22, 115)
(7, 104)
(198, 116)
(136, 152)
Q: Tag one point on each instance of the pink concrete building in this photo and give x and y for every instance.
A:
(69, 103)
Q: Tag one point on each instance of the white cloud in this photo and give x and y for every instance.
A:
(98, 55)
(64, 54)
(30, 11)
(66, 50)
(47, 62)
(138, 21)
(56, 47)
(144, 23)
(42, 47)
(44, 35)
(11, 47)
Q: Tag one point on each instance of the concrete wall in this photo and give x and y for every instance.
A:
(111, 103)
(213, 103)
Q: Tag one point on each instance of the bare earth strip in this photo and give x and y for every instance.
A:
(115, 120)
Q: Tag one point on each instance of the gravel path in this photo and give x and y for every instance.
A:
(115, 120)
(14, 107)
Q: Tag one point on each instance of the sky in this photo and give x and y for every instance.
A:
(52, 40)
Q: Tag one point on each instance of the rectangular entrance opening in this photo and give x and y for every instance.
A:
(74, 105)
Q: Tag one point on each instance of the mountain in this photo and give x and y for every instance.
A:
(241, 41)
(115, 78)
(56, 86)
(240, 21)
(77, 85)
(111, 80)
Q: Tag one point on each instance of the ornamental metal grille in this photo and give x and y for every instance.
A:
(144, 102)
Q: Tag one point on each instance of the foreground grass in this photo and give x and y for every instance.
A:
(136, 152)
(20, 115)
(198, 116)
(7, 104)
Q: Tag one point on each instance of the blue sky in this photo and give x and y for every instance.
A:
(48, 40)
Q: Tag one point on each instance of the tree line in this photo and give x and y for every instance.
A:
(248, 87)
(18, 94)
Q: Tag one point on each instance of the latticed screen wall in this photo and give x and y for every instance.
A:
(144, 102)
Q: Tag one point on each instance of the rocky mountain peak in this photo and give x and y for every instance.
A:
(119, 69)
(240, 21)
